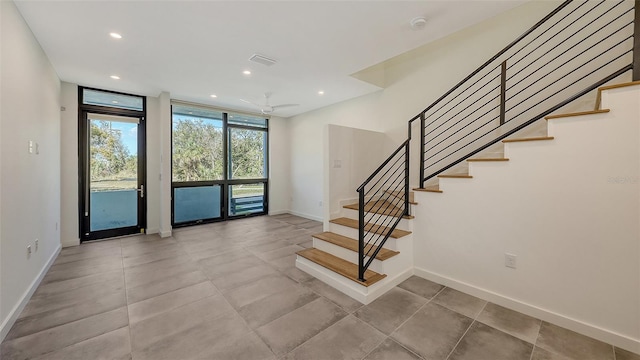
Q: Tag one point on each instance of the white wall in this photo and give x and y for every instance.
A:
(154, 173)
(69, 223)
(30, 192)
(279, 166)
(164, 108)
(413, 80)
(568, 209)
(353, 154)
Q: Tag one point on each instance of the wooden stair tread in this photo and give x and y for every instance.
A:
(615, 86)
(340, 266)
(380, 207)
(400, 194)
(581, 113)
(539, 138)
(352, 244)
(455, 176)
(372, 228)
(487, 159)
(434, 189)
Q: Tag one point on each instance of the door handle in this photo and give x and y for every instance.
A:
(141, 191)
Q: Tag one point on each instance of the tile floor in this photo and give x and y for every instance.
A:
(231, 291)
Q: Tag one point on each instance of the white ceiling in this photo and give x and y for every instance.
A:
(197, 48)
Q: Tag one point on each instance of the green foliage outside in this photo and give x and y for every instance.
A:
(247, 154)
(198, 153)
(110, 159)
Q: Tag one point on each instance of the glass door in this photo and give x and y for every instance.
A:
(113, 181)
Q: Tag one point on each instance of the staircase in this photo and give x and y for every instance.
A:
(334, 256)
(559, 63)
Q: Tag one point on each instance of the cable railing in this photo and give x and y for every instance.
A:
(383, 200)
(578, 47)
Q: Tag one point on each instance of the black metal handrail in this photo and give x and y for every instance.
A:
(383, 200)
(497, 100)
(575, 49)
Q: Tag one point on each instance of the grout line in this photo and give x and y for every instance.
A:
(126, 301)
(535, 342)
(459, 340)
(375, 347)
(481, 310)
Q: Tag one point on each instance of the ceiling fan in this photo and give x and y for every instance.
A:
(266, 108)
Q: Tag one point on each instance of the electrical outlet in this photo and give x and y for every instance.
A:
(510, 260)
(36, 244)
(28, 250)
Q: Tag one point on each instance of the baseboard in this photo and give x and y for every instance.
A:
(70, 243)
(152, 231)
(306, 216)
(278, 212)
(619, 340)
(165, 233)
(17, 310)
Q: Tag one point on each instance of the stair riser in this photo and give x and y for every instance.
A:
(361, 293)
(391, 243)
(346, 254)
(405, 224)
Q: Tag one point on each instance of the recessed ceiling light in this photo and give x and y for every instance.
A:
(114, 101)
(214, 96)
(320, 92)
(115, 35)
(115, 77)
(247, 72)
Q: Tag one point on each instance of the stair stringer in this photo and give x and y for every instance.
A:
(574, 198)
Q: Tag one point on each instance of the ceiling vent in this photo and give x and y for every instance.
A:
(260, 59)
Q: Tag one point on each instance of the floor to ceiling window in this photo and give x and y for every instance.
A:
(219, 165)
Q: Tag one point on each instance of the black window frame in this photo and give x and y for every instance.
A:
(226, 182)
(83, 111)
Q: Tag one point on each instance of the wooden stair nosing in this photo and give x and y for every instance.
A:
(352, 244)
(401, 196)
(429, 189)
(581, 113)
(340, 266)
(538, 138)
(454, 176)
(487, 159)
(380, 210)
(609, 87)
(372, 228)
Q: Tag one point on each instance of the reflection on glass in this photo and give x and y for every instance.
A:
(198, 154)
(196, 203)
(247, 159)
(247, 120)
(113, 166)
(246, 199)
(104, 98)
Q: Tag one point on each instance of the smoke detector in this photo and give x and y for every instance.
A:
(418, 23)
